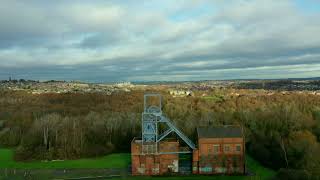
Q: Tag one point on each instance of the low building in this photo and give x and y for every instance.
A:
(147, 160)
(220, 150)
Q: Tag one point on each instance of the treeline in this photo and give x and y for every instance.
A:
(55, 137)
(282, 131)
(68, 126)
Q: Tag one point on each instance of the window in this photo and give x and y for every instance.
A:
(216, 148)
(238, 147)
(149, 149)
(226, 148)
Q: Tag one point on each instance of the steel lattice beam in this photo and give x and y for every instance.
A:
(151, 116)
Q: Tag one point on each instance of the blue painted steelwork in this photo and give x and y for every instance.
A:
(151, 116)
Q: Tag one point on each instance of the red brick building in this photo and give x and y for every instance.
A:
(220, 150)
(146, 160)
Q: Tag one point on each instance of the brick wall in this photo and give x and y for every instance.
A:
(155, 163)
(219, 155)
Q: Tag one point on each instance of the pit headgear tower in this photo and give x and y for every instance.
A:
(151, 117)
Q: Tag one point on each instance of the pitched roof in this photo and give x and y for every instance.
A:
(219, 132)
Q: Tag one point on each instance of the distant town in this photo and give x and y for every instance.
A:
(175, 89)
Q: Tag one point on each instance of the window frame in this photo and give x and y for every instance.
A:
(238, 146)
(214, 148)
(229, 148)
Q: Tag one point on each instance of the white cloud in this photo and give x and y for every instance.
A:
(224, 36)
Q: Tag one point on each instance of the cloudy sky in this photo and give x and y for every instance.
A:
(107, 41)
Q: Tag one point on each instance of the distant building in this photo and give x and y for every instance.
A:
(181, 93)
(124, 84)
(220, 150)
(80, 85)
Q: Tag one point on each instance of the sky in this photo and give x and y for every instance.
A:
(159, 40)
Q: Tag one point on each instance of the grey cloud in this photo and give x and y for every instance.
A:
(135, 42)
(99, 40)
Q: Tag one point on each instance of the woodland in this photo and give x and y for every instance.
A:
(282, 131)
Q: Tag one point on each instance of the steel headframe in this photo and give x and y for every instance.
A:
(151, 116)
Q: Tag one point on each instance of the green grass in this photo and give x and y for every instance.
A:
(259, 170)
(120, 160)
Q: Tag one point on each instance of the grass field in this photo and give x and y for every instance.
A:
(109, 161)
(121, 160)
